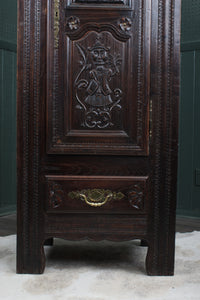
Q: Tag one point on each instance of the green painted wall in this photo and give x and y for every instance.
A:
(189, 153)
(8, 41)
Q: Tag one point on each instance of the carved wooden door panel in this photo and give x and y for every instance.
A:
(98, 87)
(99, 77)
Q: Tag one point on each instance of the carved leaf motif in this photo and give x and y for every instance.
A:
(136, 197)
(56, 195)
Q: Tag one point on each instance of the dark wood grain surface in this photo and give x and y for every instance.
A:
(98, 90)
(8, 224)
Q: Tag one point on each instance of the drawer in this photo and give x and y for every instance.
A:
(96, 194)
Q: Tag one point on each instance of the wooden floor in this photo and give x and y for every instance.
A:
(183, 224)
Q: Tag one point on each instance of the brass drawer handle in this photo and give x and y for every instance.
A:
(96, 197)
(93, 202)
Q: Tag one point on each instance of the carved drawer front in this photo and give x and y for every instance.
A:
(96, 194)
(98, 66)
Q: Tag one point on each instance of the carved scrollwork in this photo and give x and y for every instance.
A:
(100, 1)
(125, 24)
(136, 197)
(73, 23)
(56, 194)
(121, 35)
(94, 95)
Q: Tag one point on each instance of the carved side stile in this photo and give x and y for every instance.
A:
(30, 258)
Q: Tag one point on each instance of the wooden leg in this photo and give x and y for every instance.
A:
(30, 258)
(48, 242)
(160, 263)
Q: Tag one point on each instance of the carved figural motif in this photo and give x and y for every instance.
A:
(98, 67)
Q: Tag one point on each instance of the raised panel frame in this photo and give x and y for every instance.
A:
(132, 136)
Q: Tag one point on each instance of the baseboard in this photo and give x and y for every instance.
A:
(7, 210)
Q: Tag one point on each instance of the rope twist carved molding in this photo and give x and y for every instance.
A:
(29, 103)
(163, 109)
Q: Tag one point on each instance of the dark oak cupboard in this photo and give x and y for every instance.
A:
(98, 89)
